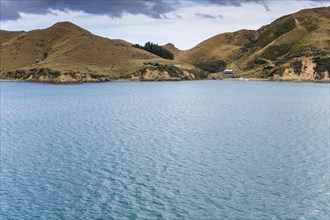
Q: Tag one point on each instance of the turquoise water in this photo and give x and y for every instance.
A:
(165, 150)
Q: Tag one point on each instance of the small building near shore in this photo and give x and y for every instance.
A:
(228, 72)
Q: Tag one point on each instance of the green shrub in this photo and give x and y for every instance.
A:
(259, 61)
(310, 23)
(173, 71)
(279, 71)
(296, 65)
(199, 73)
(213, 66)
(250, 65)
(297, 54)
(270, 71)
(272, 32)
(322, 65)
(256, 62)
(275, 51)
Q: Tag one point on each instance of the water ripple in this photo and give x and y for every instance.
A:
(179, 150)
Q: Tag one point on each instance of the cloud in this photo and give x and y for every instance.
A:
(182, 27)
(10, 9)
(234, 2)
(209, 16)
(240, 2)
(265, 3)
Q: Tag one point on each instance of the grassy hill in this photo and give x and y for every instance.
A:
(7, 35)
(293, 47)
(66, 52)
(270, 52)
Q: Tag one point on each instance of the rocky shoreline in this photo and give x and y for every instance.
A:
(47, 75)
(156, 80)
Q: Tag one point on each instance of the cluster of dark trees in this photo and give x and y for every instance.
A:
(156, 49)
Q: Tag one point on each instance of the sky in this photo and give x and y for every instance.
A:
(185, 23)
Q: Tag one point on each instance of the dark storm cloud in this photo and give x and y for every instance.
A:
(7, 11)
(113, 8)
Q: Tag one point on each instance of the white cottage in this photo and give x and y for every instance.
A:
(228, 71)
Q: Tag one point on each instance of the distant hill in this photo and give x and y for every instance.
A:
(171, 47)
(293, 47)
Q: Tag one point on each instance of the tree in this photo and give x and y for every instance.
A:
(156, 49)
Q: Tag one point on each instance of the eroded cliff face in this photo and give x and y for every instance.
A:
(303, 69)
(154, 74)
(52, 76)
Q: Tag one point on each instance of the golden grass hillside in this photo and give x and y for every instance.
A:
(7, 35)
(293, 47)
(66, 47)
(270, 49)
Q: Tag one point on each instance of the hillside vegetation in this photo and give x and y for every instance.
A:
(293, 47)
(269, 51)
(67, 53)
(156, 49)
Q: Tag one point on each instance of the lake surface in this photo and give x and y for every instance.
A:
(165, 150)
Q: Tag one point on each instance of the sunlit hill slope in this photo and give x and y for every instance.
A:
(293, 47)
(66, 52)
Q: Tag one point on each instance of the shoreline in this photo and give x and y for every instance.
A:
(129, 80)
(249, 79)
